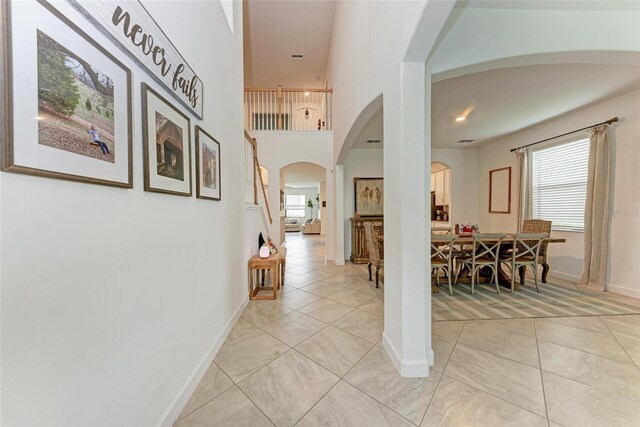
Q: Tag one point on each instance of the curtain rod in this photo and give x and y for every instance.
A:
(606, 122)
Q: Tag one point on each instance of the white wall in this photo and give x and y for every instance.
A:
(464, 184)
(106, 317)
(566, 259)
(361, 163)
(370, 43)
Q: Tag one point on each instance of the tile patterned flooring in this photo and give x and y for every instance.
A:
(314, 358)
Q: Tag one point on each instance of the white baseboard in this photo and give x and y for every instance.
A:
(418, 368)
(171, 414)
(564, 276)
(339, 262)
(628, 292)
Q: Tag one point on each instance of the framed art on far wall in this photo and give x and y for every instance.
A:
(369, 197)
(207, 166)
(500, 190)
(166, 145)
(66, 104)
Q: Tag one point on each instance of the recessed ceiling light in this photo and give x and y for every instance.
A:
(306, 94)
(461, 119)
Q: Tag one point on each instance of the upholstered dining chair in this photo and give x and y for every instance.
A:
(485, 253)
(442, 257)
(374, 254)
(526, 253)
(533, 226)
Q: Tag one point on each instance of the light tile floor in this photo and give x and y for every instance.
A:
(314, 357)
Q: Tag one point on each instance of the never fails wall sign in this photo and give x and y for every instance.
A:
(137, 33)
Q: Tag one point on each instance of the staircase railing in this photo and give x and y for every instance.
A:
(279, 109)
(256, 172)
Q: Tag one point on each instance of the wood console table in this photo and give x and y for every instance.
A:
(274, 263)
(359, 252)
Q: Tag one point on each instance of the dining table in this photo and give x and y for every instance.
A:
(466, 239)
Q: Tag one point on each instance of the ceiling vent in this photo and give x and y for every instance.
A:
(374, 141)
(297, 57)
(466, 141)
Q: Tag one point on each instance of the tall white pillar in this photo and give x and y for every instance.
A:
(338, 219)
(407, 334)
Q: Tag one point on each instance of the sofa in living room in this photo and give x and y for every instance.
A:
(292, 224)
(312, 226)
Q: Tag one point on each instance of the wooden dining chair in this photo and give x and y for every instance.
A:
(525, 253)
(485, 253)
(374, 254)
(442, 257)
(532, 226)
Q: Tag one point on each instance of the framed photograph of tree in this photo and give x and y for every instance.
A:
(166, 145)
(207, 166)
(66, 103)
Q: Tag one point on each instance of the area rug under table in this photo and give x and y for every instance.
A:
(553, 301)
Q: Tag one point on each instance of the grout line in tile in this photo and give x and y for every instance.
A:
(544, 394)
(364, 392)
(483, 391)
(620, 344)
(455, 344)
(588, 352)
(210, 400)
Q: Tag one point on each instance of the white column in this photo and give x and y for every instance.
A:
(407, 334)
(338, 216)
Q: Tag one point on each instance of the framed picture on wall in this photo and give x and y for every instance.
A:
(166, 145)
(368, 197)
(207, 166)
(66, 109)
(500, 190)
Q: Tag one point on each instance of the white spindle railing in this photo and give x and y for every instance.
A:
(288, 109)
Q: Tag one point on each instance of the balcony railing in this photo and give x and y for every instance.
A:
(306, 110)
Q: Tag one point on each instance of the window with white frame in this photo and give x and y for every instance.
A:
(294, 205)
(559, 184)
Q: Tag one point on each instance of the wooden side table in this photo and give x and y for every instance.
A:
(273, 263)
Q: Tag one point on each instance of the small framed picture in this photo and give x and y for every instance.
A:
(207, 166)
(500, 190)
(166, 143)
(67, 100)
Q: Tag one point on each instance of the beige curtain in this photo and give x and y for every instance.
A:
(596, 218)
(523, 185)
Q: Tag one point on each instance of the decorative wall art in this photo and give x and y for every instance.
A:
(369, 196)
(130, 26)
(207, 166)
(67, 110)
(166, 136)
(500, 190)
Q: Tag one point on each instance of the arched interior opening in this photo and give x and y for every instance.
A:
(303, 206)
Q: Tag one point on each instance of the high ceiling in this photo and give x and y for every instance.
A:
(275, 30)
(499, 102)
(552, 4)
(503, 101)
